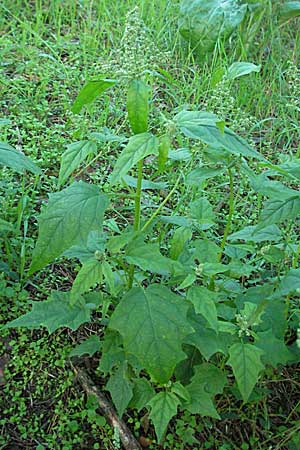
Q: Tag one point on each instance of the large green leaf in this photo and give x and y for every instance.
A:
(96, 241)
(138, 106)
(289, 10)
(240, 68)
(190, 122)
(211, 377)
(112, 352)
(276, 211)
(163, 151)
(138, 147)
(116, 243)
(179, 239)
(200, 174)
(289, 283)
(148, 257)
(271, 188)
(108, 275)
(245, 360)
(89, 346)
(153, 325)
(208, 342)
(290, 168)
(54, 313)
(201, 401)
(142, 393)
(185, 369)
(205, 339)
(202, 213)
(204, 304)
(120, 388)
(73, 157)
(10, 157)
(211, 269)
(90, 91)
(271, 233)
(274, 307)
(204, 126)
(206, 251)
(180, 390)
(89, 274)
(275, 350)
(67, 220)
(203, 22)
(146, 184)
(206, 382)
(163, 408)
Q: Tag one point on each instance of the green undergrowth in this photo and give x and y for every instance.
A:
(47, 54)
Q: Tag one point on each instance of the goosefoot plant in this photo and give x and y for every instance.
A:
(181, 300)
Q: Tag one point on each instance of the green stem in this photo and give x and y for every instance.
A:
(228, 224)
(150, 220)
(230, 214)
(138, 194)
(137, 214)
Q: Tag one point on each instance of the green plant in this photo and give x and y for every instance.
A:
(180, 298)
(205, 23)
(171, 287)
(14, 219)
(202, 23)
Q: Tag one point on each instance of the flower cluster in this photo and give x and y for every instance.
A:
(137, 53)
(243, 325)
(223, 104)
(293, 80)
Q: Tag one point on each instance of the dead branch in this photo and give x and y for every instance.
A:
(128, 440)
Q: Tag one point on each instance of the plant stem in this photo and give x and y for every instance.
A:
(230, 214)
(228, 224)
(161, 205)
(137, 214)
(138, 194)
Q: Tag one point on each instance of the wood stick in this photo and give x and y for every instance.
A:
(128, 440)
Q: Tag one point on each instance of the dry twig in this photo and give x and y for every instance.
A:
(128, 440)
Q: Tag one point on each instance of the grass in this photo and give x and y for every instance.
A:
(46, 53)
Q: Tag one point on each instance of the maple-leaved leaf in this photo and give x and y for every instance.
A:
(153, 325)
(89, 274)
(275, 350)
(246, 365)
(67, 220)
(204, 304)
(53, 313)
(120, 388)
(201, 401)
(163, 408)
(89, 346)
